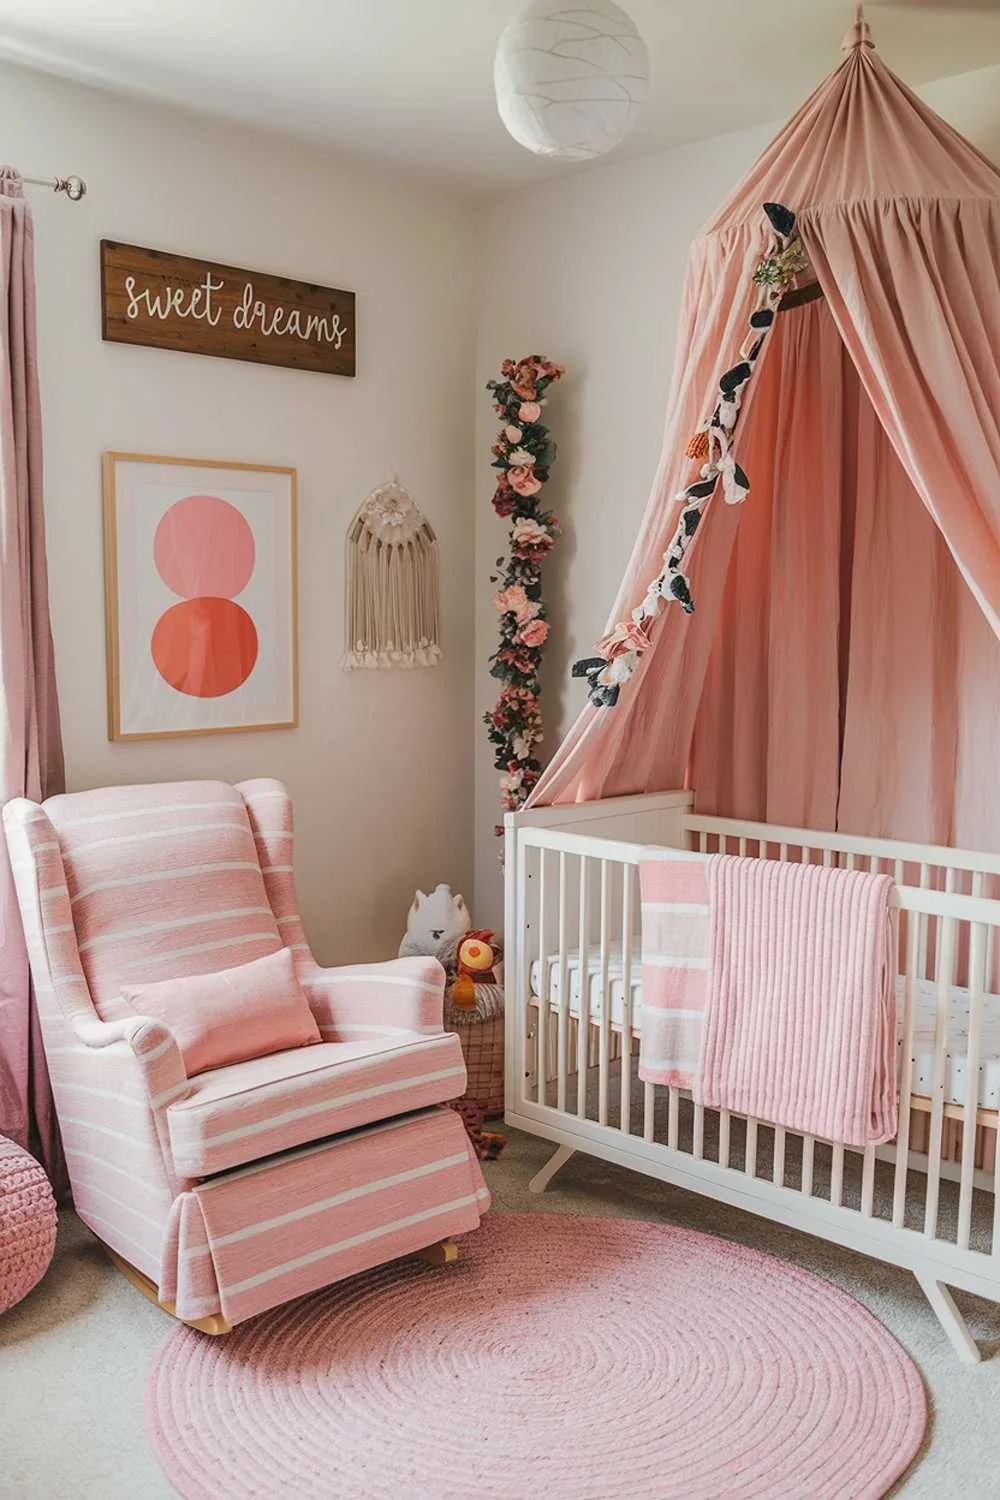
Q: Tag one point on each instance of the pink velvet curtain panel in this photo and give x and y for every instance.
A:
(842, 668)
(31, 763)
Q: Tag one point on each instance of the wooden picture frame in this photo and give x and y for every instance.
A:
(201, 596)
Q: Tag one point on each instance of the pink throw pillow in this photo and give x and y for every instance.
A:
(233, 1015)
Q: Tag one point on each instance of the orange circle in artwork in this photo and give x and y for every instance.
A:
(205, 647)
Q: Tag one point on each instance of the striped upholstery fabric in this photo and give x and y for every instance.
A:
(111, 1085)
(159, 882)
(164, 881)
(252, 1239)
(252, 1109)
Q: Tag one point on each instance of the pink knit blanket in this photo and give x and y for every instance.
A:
(768, 989)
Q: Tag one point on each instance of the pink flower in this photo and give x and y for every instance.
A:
(534, 633)
(529, 411)
(515, 601)
(527, 532)
(625, 637)
(523, 481)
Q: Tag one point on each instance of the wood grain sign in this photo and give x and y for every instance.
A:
(174, 302)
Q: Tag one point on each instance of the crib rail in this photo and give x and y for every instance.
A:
(928, 1201)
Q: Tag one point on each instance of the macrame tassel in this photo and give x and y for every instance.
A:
(393, 602)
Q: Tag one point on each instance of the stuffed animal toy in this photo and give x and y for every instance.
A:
(435, 925)
(476, 958)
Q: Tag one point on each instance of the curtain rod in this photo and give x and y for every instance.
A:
(73, 187)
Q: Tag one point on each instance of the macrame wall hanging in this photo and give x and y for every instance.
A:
(393, 607)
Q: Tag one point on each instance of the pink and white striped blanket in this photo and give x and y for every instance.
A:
(768, 989)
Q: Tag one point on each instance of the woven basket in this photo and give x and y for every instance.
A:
(481, 1033)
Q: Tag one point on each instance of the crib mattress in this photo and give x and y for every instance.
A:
(924, 1021)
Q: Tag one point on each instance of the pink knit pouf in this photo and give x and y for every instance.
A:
(27, 1223)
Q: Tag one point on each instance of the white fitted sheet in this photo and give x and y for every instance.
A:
(925, 1018)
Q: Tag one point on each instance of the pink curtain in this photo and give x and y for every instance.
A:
(31, 763)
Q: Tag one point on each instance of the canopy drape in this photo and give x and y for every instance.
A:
(900, 220)
(853, 681)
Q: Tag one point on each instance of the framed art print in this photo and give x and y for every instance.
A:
(200, 576)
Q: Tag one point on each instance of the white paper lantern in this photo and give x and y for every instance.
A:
(570, 77)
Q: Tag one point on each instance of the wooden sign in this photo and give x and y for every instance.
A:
(173, 302)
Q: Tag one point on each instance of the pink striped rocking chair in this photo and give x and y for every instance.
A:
(229, 1192)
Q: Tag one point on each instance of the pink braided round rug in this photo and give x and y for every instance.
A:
(564, 1357)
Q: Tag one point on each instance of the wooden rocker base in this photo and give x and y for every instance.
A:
(444, 1253)
(215, 1324)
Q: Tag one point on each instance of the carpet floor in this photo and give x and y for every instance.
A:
(75, 1354)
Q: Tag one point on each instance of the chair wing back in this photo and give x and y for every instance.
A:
(122, 1183)
(164, 881)
(61, 988)
(270, 811)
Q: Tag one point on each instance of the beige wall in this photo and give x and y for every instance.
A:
(588, 271)
(380, 768)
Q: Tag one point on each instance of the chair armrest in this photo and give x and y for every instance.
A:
(152, 1045)
(406, 994)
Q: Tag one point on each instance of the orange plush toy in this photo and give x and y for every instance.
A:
(474, 958)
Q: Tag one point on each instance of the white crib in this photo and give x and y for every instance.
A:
(573, 961)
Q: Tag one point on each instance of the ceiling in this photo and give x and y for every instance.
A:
(409, 82)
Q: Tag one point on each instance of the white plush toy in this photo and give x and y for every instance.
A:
(435, 924)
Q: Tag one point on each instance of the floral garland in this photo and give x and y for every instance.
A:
(522, 454)
(712, 449)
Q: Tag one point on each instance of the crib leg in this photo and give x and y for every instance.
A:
(558, 1159)
(951, 1320)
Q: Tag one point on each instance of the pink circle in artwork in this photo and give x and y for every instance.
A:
(204, 546)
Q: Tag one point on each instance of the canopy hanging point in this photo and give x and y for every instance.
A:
(879, 217)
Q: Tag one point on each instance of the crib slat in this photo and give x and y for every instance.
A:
(562, 1037)
(916, 943)
(724, 1119)
(977, 965)
(808, 1162)
(868, 1182)
(698, 1144)
(583, 1022)
(925, 881)
(750, 1163)
(945, 967)
(648, 1105)
(673, 1118)
(778, 1174)
(743, 847)
(703, 842)
(625, 1118)
(544, 979)
(604, 1027)
(837, 1175)
(522, 977)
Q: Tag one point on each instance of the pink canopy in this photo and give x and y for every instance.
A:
(841, 667)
